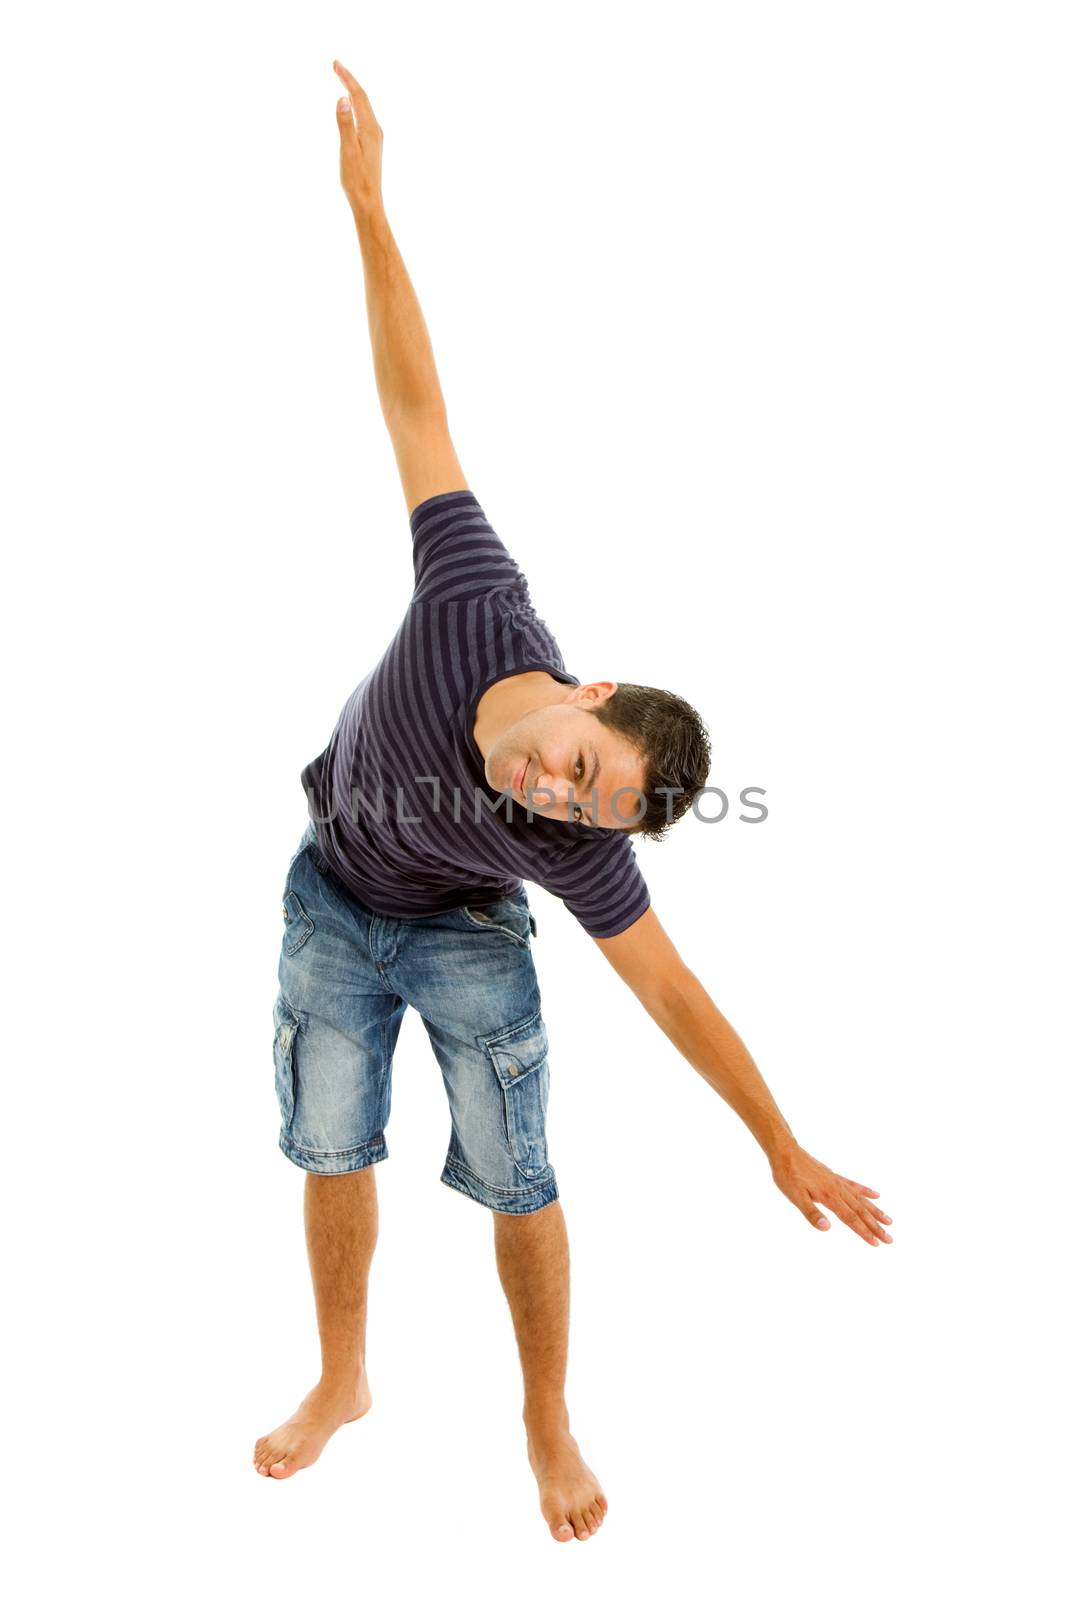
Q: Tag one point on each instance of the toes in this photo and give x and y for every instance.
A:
(563, 1532)
(581, 1527)
(281, 1469)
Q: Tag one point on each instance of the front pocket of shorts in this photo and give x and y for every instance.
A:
(509, 917)
(298, 925)
(520, 1059)
(286, 1027)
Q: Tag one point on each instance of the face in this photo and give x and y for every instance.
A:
(554, 758)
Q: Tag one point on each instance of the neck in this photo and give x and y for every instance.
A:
(509, 699)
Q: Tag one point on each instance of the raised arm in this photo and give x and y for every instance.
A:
(648, 963)
(404, 369)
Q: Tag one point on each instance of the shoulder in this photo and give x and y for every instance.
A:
(457, 553)
(598, 878)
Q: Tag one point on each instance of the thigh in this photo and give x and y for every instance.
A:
(336, 1024)
(471, 976)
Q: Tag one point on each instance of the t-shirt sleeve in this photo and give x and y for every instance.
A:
(601, 883)
(456, 553)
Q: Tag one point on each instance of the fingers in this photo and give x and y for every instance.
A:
(872, 1194)
(871, 1219)
(844, 1197)
(344, 119)
(862, 1218)
(873, 1214)
(853, 1218)
(841, 1208)
(362, 105)
(860, 1221)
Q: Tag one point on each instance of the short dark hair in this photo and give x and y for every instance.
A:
(674, 743)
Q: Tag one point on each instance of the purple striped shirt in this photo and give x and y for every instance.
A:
(399, 797)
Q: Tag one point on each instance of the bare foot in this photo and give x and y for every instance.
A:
(572, 1501)
(299, 1442)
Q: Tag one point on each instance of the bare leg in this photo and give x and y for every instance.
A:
(341, 1225)
(533, 1260)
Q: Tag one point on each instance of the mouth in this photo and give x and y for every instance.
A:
(520, 777)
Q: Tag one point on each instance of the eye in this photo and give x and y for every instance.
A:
(579, 769)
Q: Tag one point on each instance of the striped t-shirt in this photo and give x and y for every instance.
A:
(399, 797)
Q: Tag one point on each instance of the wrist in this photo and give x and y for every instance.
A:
(368, 210)
(778, 1145)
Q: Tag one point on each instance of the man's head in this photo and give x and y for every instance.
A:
(622, 740)
(673, 743)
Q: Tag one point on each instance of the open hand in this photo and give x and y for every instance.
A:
(804, 1180)
(361, 144)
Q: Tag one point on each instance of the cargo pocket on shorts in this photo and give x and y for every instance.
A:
(520, 1059)
(286, 1027)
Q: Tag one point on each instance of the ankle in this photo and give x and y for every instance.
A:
(342, 1380)
(544, 1418)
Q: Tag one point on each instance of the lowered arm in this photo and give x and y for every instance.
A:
(648, 963)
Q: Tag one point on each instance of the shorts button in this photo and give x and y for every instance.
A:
(285, 914)
(514, 1071)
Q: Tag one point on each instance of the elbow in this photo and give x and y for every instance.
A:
(421, 411)
(674, 995)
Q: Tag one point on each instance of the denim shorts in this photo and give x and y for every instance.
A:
(346, 977)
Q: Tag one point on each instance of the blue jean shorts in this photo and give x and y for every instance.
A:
(347, 976)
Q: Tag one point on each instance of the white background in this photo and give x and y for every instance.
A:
(750, 321)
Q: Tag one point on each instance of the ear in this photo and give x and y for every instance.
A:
(594, 694)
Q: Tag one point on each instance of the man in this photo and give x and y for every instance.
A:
(469, 760)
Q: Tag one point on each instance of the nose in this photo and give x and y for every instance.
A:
(557, 786)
